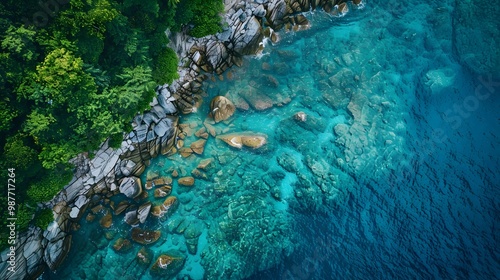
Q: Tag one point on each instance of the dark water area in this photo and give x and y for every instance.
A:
(394, 174)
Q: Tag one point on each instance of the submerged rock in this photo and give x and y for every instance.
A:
(168, 264)
(238, 140)
(122, 206)
(145, 237)
(106, 221)
(186, 181)
(145, 256)
(198, 146)
(122, 245)
(167, 208)
(205, 164)
(163, 191)
(151, 175)
(300, 116)
(159, 182)
(221, 108)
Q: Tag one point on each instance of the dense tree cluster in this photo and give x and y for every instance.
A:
(74, 73)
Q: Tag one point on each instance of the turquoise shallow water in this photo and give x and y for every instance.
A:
(394, 173)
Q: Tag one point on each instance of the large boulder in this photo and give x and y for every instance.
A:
(247, 36)
(131, 187)
(143, 212)
(249, 140)
(221, 108)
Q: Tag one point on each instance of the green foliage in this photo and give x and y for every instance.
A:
(20, 42)
(7, 116)
(61, 73)
(115, 140)
(45, 189)
(24, 216)
(53, 155)
(165, 70)
(43, 218)
(38, 123)
(203, 14)
(90, 48)
(206, 18)
(17, 153)
(80, 79)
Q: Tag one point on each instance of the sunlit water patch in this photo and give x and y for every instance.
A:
(355, 179)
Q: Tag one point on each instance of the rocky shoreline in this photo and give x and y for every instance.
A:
(114, 171)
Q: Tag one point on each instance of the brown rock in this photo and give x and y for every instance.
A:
(122, 245)
(168, 264)
(198, 174)
(258, 101)
(162, 191)
(106, 221)
(145, 237)
(167, 208)
(158, 182)
(175, 173)
(232, 140)
(200, 132)
(253, 141)
(90, 217)
(186, 129)
(198, 146)
(221, 108)
(210, 128)
(179, 144)
(240, 103)
(186, 152)
(186, 181)
(343, 8)
(109, 235)
(121, 207)
(96, 209)
(205, 164)
(249, 140)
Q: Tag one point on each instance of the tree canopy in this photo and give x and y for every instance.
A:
(78, 75)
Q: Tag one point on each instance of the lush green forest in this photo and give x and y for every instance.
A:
(74, 73)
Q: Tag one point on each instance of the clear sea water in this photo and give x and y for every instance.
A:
(393, 175)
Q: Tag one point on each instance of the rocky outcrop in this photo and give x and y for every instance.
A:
(154, 133)
(248, 24)
(112, 170)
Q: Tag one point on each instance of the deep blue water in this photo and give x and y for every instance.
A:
(399, 181)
